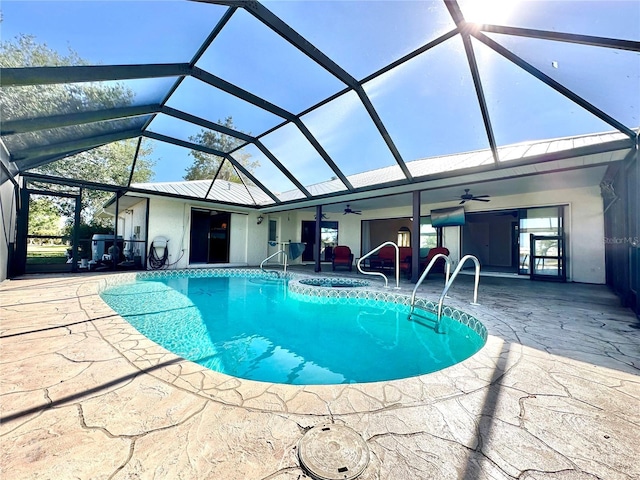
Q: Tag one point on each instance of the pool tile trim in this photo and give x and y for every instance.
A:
(358, 295)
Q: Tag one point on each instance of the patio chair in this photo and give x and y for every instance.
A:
(440, 264)
(386, 258)
(342, 257)
(405, 261)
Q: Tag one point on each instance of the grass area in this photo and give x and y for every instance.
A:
(46, 254)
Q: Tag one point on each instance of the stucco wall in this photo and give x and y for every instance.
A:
(349, 227)
(584, 226)
(172, 219)
(586, 242)
(256, 239)
(132, 217)
(167, 219)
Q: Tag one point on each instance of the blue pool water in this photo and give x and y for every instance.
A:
(255, 329)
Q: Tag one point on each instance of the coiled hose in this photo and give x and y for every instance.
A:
(156, 262)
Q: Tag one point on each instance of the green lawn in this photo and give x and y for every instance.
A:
(46, 254)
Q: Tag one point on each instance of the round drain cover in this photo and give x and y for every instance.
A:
(333, 452)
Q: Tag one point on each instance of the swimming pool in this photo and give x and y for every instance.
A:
(260, 328)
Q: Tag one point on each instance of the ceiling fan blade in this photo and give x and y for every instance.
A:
(480, 199)
(462, 202)
(481, 196)
(357, 212)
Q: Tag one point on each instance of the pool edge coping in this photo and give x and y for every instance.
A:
(335, 399)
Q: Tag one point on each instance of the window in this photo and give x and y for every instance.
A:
(404, 237)
(428, 235)
(273, 231)
(540, 221)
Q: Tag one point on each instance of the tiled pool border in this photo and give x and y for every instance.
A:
(359, 294)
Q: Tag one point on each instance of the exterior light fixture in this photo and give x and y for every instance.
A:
(260, 219)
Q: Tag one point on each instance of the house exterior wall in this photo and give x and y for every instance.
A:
(584, 228)
(256, 239)
(288, 231)
(132, 217)
(349, 228)
(167, 219)
(172, 219)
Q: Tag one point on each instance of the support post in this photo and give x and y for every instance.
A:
(116, 250)
(415, 238)
(19, 258)
(317, 267)
(75, 240)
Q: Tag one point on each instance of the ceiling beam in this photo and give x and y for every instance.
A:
(234, 133)
(25, 125)
(213, 180)
(37, 177)
(212, 36)
(364, 98)
(79, 144)
(558, 87)
(423, 183)
(455, 12)
(482, 101)
(201, 122)
(212, 151)
(203, 47)
(269, 107)
(73, 182)
(458, 18)
(253, 179)
(563, 37)
(282, 168)
(411, 55)
(228, 3)
(323, 153)
(35, 162)
(12, 77)
(135, 161)
(183, 143)
(236, 91)
(272, 21)
(264, 15)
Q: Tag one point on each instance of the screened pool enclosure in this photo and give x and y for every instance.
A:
(278, 105)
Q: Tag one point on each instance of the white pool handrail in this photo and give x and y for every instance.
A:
(435, 258)
(453, 277)
(273, 255)
(397, 264)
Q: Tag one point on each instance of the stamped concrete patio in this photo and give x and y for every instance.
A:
(554, 394)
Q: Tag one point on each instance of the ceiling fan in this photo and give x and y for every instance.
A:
(348, 210)
(467, 196)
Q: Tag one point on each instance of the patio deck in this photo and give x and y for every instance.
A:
(555, 394)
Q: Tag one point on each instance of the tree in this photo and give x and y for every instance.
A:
(205, 165)
(42, 100)
(109, 164)
(44, 217)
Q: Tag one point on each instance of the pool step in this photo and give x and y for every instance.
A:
(431, 321)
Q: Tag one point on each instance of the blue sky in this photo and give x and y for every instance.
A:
(428, 104)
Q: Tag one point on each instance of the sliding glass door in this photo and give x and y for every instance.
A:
(541, 238)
